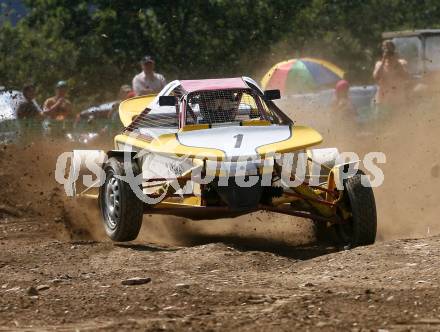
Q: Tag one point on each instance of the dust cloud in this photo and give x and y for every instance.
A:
(29, 188)
(407, 202)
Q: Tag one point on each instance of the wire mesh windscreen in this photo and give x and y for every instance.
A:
(162, 117)
(223, 106)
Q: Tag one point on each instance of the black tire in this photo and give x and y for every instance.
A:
(121, 209)
(361, 227)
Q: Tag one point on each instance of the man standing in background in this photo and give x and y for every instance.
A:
(58, 107)
(148, 81)
(28, 107)
(391, 76)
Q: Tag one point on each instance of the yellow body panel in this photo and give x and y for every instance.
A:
(302, 138)
(194, 201)
(195, 127)
(256, 123)
(174, 205)
(130, 108)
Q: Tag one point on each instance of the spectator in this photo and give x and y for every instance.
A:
(125, 92)
(148, 81)
(391, 76)
(28, 108)
(343, 102)
(58, 107)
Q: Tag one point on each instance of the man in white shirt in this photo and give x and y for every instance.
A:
(147, 81)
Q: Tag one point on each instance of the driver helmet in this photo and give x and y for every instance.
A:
(218, 106)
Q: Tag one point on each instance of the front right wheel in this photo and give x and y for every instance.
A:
(121, 209)
(360, 228)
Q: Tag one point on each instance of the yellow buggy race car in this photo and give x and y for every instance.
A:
(217, 148)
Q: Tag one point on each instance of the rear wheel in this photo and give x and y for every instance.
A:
(121, 209)
(361, 226)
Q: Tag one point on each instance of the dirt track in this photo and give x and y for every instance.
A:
(257, 272)
(391, 285)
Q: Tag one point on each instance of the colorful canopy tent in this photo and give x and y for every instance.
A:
(301, 75)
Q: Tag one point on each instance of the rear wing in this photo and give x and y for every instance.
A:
(129, 109)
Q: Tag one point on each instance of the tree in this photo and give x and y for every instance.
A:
(96, 44)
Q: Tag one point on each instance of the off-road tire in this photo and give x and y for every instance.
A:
(125, 222)
(361, 228)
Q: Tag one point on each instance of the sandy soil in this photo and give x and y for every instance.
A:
(257, 272)
(216, 286)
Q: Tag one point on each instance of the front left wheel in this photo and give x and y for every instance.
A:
(121, 209)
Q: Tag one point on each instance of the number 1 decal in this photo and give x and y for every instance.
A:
(239, 138)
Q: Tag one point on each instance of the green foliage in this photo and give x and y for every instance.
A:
(96, 44)
(349, 32)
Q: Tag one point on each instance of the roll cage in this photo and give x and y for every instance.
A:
(249, 103)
